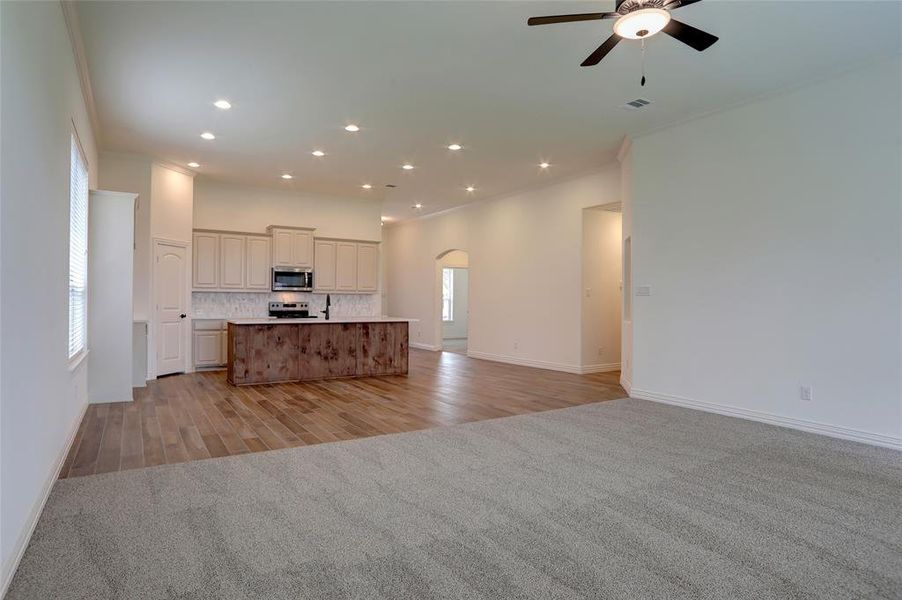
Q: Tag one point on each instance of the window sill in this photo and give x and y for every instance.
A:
(76, 361)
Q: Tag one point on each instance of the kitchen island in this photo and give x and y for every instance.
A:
(269, 350)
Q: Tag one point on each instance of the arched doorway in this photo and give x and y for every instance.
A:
(452, 301)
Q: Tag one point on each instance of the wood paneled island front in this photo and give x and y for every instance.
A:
(281, 350)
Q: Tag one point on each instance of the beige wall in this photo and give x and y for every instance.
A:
(237, 208)
(172, 204)
(41, 399)
(772, 250)
(601, 268)
(525, 277)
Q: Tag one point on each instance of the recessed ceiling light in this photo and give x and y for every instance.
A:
(366, 186)
(286, 176)
(455, 147)
(352, 127)
(193, 165)
(208, 136)
(223, 104)
(318, 153)
(470, 188)
(407, 166)
(544, 165)
(417, 206)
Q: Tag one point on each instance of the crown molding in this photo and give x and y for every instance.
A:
(73, 26)
(174, 167)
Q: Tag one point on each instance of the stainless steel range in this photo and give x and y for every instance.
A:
(290, 310)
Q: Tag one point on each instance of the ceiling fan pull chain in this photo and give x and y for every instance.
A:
(642, 81)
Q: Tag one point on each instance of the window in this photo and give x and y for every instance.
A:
(78, 250)
(447, 294)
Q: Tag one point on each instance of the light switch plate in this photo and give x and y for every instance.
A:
(643, 290)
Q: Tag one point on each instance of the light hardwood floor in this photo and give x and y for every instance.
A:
(197, 416)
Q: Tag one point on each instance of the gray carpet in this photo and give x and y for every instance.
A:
(622, 499)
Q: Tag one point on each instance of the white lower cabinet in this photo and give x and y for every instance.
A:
(210, 343)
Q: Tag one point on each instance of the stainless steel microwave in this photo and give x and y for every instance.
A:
(288, 279)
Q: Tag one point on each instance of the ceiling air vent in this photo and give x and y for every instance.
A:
(636, 104)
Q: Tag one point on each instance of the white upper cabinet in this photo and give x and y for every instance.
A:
(232, 261)
(206, 260)
(226, 261)
(346, 266)
(367, 267)
(291, 247)
(258, 263)
(324, 266)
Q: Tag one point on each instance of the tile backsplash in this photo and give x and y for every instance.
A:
(226, 305)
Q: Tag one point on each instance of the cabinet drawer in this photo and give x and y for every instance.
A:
(209, 324)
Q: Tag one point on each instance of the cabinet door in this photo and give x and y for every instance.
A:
(281, 248)
(206, 260)
(258, 263)
(302, 248)
(231, 261)
(324, 267)
(224, 347)
(207, 350)
(346, 266)
(367, 267)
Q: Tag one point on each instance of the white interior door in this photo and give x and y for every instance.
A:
(170, 263)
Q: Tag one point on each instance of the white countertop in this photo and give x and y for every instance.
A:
(272, 320)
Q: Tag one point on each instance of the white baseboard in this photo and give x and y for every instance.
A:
(836, 431)
(10, 566)
(625, 383)
(600, 368)
(424, 346)
(525, 362)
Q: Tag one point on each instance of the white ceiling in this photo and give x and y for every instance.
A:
(417, 76)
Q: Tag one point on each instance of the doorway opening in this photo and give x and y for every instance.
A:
(453, 312)
(603, 283)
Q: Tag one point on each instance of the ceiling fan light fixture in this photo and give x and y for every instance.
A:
(642, 23)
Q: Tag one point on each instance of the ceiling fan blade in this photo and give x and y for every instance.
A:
(601, 51)
(569, 18)
(674, 4)
(689, 35)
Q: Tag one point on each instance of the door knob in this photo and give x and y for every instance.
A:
(182, 316)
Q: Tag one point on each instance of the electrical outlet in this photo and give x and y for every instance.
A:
(643, 290)
(806, 393)
(600, 351)
(516, 345)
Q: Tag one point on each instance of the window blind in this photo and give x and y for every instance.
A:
(78, 250)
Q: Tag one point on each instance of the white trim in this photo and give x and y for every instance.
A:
(425, 347)
(526, 362)
(600, 368)
(76, 361)
(73, 26)
(836, 431)
(625, 383)
(18, 550)
(154, 322)
(177, 168)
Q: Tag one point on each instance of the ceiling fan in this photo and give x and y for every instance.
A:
(637, 20)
